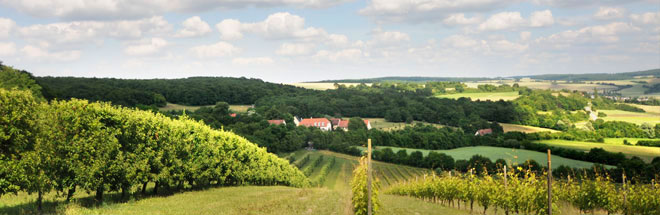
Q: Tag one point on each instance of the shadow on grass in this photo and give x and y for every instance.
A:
(58, 205)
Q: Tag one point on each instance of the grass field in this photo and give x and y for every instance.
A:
(524, 128)
(645, 153)
(632, 117)
(323, 86)
(381, 123)
(492, 96)
(512, 156)
(171, 106)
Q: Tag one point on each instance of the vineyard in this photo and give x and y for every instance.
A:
(523, 192)
(73, 145)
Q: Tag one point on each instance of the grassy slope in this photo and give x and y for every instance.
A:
(332, 198)
(381, 123)
(512, 156)
(493, 96)
(632, 117)
(645, 153)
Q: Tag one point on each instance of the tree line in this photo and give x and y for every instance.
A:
(79, 145)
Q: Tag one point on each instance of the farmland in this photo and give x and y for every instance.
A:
(512, 156)
(645, 153)
(492, 96)
(323, 86)
(380, 123)
(524, 128)
(331, 197)
(632, 117)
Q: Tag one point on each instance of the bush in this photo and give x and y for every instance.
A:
(359, 190)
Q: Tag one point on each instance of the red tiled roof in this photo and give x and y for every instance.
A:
(485, 131)
(335, 121)
(232, 114)
(276, 121)
(316, 122)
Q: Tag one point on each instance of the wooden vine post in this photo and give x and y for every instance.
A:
(549, 184)
(369, 177)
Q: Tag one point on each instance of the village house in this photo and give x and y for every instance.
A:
(321, 123)
(482, 132)
(277, 122)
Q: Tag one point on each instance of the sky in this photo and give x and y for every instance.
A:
(287, 41)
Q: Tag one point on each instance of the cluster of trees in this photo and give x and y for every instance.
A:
(394, 106)
(11, 78)
(654, 143)
(156, 92)
(602, 103)
(97, 147)
(655, 88)
(525, 192)
(564, 108)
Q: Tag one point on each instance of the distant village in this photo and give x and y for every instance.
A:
(322, 123)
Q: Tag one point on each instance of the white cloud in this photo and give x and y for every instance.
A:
(525, 35)
(220, 49)
(193, 27)
(146, 47)
(646, 18)
(275, 26)
(253, 61)
(608, 13)
(459, 19)
(351, 54)
(506, 46)
(513, 20)
(337, 39)
(123, 9)
(6, 27)
(85, 31)
(541, 18)
(460, 41)
(503, 20)
(293, 49)
(36, 53)
(7, 49)
(598, 33)
(388, 37)
(230, 29)
(426, 10)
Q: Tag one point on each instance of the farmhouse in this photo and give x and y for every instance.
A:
(343, 124)
(321, 123)
(277, 122)
(482, 132)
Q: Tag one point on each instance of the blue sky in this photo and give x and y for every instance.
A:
(306, 40)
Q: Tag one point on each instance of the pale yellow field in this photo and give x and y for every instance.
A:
(524, 128)
(648, 108)
(632, 117)
(323, 86)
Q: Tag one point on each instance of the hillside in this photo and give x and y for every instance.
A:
(553, 77)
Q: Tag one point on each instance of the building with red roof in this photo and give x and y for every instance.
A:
(277, 122)
(321, 123)
(482, 132)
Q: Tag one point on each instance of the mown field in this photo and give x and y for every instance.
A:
(381, 123)
(512, 156)
(171, 106)
(632, 117)
(524, 128)
(492, 96)
(323, 86)
(611, 144)
(330, 197)
(648, 108)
